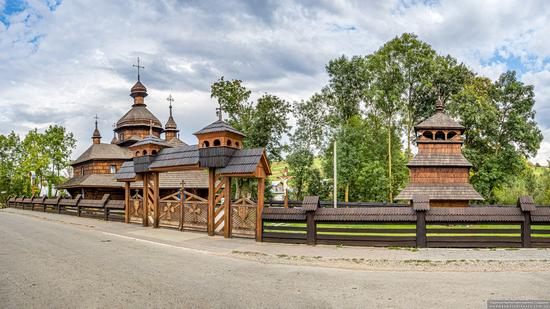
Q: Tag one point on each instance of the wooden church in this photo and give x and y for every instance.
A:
(95, 169)
(439, 171)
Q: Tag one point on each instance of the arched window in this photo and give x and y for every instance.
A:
(439, 136)
(205, 144)
(451, 134)
(217, 142)
(154, 152)
(229, 142)
(145, 152)
(428, 135)
(237, 144)
(137, 153)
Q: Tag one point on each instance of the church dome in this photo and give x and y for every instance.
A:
(138, 90)
(139, 115)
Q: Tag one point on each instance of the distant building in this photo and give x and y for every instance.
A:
(439, 170)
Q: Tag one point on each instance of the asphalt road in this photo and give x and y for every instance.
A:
(46, 264)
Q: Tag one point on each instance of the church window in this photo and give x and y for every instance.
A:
(112, 169)
(217, 142)
(229, 142)
(428, 135)
(205, 144)
(137, 153)
(237, 144)
(154, 152)
(451, 134)
(82, 170)
(145, 152)
(439, 136)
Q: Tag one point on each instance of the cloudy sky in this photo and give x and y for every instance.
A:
(64, 61)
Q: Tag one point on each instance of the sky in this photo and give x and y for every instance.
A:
(63, 62)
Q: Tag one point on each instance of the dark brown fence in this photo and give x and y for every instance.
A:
(106, 208)
(524, 225)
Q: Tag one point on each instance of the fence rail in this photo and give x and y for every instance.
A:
(521, 225)
(106, 208)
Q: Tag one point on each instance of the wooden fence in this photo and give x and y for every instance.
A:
(106, 208)
(522, 225)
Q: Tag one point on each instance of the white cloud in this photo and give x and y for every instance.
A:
(67, 65)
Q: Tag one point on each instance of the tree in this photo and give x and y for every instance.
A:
(263, 123)
(384, 95)
(502, 130)
(58, 145)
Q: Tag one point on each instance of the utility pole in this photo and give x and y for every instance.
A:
(335, 170)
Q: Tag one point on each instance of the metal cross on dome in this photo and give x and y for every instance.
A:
(138, 67)
(171, 100)
(219, 112)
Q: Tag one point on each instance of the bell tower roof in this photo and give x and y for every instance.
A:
(439, 120)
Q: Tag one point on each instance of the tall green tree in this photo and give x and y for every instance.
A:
(502, 129)
(58, 145)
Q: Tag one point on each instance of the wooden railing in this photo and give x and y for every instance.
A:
(522, 225)
(106, 207)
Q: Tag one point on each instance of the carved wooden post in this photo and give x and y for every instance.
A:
(227, 207)
(182, 201)
(526, 204)
(127, 202)
(421, 204)
(156, 200)
(211, 200)
(145, 199)
(260, 209)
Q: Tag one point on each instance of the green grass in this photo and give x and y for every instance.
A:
(272, 227)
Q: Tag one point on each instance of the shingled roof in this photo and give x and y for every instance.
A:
(168, 180)
(439, 120)
(182, 155)
(218, 126)
(441, 192)
(243, 161)
(139, 115)
(439, 159)
(104, 152)
(151, 139)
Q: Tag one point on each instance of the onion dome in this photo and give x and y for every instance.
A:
(138, 90)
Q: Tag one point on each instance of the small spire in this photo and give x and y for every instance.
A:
(115, 139)
(170, 99)
(439, 104)
(219, 112)
(96, 137)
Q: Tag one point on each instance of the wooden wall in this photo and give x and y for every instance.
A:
(440, 148)
(96, 167)
(441, 175)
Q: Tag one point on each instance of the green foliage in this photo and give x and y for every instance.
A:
(46, 154)
(502, 130)
(264, 123)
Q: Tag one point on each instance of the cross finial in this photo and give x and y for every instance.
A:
(96, 118)
(170, 99)
(219, 112)
(439, 104)
(138, 67)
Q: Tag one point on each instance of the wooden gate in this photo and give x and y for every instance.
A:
(193, 215)
(195, 212)
(136, 209)
(244, 218)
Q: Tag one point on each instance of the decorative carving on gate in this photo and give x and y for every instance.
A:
(136, 208)
(244, 217)
(195, 214)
